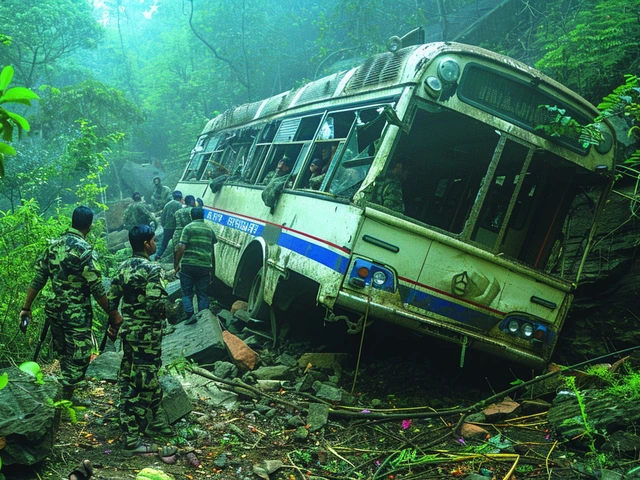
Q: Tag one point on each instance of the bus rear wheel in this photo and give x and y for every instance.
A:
(257, 307)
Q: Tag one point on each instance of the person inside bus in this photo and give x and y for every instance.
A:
(284, 168)
(316, 167)
(386, 190)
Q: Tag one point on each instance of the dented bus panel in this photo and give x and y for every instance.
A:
(496, 215)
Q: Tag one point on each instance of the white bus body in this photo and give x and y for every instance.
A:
(493, 234)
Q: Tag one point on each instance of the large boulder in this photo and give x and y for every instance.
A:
(201, 342)
(27, 417)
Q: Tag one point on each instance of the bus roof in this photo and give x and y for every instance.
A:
(379, 72)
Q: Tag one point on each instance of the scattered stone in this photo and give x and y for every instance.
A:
(221, 461)
(244, 317)
(318, 416)
(621, 441)
(329, 392)
(498, 411)
(476, 418)
(225, 370)
(469, 430)
(239, 305)
(300, 434)
(27, 419)
(277, 372)
(175, 401)
(269, 385)
(105, 366)
(286, 359)
(201, 342)
(266, 468)
(305, 383)
(321, 360)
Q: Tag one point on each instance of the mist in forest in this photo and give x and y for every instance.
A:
(135, 81)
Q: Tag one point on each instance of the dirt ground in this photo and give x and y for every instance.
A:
(399, 428)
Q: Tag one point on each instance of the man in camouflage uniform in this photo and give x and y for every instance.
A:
(387, 189)
(168, 221)
(137, 213)
(284, 168)
(183, 218)
(139, 289)
(160, 196)
(194, 260)
(70, 263)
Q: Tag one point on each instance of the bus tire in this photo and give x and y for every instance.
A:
(257, 307)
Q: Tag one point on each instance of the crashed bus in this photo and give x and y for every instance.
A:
(498, 213)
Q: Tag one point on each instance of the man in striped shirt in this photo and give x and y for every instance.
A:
(194, 261)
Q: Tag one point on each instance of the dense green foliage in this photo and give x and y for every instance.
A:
(10, 121)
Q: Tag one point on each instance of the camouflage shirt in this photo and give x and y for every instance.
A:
(168, 219)
(387, 191)
(160, 196)
(137, 213)
(199, 239)
(140, 284)
(70, 262)
(182, 218)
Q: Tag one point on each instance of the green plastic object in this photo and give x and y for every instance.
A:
(32, 368)
(152, 474)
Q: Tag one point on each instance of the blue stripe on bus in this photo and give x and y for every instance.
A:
(430, 303)
(316, 252)
(313, 251)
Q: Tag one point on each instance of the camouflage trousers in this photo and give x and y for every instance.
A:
(140, 390)
(71, 337)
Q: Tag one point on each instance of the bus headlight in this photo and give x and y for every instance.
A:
(514, 326)
(526, 327)
(527, 330)
(433, 86)
(448, 70)
(379, 278)
(606, 142)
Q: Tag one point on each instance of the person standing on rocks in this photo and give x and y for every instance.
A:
(138, 288)
(194, 261)
(160, 196)
(168, 221)
(183, 218)
(137, 213)
(70, 263)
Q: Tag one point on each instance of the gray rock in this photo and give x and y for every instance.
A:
(328, 392)
(305, 383)
(225, 370)
(105, 366)
(175, 402)
(277, 372)
(286, 359)
(621, 441)
(476, 418)
(221, 461)
(318, 416)
(201, 342)
(27, 417)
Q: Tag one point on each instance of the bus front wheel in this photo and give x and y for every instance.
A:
(258, 308)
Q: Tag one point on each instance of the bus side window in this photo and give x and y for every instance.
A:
(358, 153)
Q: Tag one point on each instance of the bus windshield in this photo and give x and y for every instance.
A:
(481, 185)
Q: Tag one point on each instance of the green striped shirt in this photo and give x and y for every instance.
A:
(198, 238)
